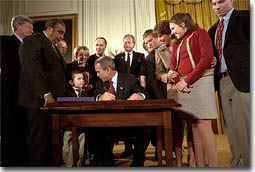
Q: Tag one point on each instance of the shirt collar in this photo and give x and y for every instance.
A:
(99, 55)
(227, 16)
(19, 38)
(130, 53)
(115, 77)
(47, 36)
(76, 89)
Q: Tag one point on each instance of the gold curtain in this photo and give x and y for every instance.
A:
(200, 10)
(203, 14)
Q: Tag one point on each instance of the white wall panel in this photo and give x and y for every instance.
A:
(111, 19)
(47, 7)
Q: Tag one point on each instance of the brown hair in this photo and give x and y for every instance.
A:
(162, 28)
(185, 18)
(74, 72)
(102, 39)
(149, 32)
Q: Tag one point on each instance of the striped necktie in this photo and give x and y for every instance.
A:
(111, 89)
(219, 41)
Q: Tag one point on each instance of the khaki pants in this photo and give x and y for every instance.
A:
(236, 112)
(67, 149)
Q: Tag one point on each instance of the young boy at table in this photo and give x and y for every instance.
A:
(77, 83)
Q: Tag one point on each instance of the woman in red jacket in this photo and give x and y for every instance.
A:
(190, 69)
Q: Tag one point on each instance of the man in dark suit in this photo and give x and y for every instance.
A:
(112, 86)
(231, 40)
(101, 44)
(42, 80)
(129, 62)
(155, 87)
(135, 59)
(12, 116)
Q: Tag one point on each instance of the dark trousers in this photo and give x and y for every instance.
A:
(13, 127)
(38, 141)
(103, 143)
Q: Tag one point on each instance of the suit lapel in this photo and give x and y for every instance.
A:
(105, 86)
(17, 41)
(123, 62)
(166, 61)
(134, 62)
(54, 53)
(231, 26)
(120, 87)
(60, 58)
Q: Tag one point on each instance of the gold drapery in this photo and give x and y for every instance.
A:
(200, 10)
(186, 1)
(203, 14)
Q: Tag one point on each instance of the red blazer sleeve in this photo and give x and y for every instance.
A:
(202, 52)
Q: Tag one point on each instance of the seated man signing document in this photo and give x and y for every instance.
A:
(118, 86)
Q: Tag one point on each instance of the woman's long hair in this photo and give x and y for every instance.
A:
(185, 18)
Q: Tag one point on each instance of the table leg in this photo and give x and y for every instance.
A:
(56, 148)
(168, 138)
(75, 146)
(159, 145)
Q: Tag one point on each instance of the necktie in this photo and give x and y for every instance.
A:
(128, 62)
(79, 91)
(111, 89)
(219, 41)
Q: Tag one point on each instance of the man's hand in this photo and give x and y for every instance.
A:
(136, 96)
(106, 96)
(48, 99)
(172, 74)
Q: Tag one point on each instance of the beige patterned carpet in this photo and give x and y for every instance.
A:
(224, 154)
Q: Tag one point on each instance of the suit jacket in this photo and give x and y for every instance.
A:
(155, 88)
(9, 69)
(92, 73)
(126, 86)
(236, 49)
(71, 93)
(137, 65)
(43, 70)
(162, 63)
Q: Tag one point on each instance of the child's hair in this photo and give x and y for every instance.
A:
(75, 72)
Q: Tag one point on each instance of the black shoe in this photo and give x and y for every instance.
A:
(126, 154)
(137, 164)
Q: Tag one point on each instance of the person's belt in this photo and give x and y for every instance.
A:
(224, 74)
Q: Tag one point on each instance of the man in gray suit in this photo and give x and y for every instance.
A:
(42, 80)
(231, 40)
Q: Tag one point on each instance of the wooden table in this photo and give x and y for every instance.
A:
(119, 113)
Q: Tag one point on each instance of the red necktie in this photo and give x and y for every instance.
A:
(219, 41)
(111, 89)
